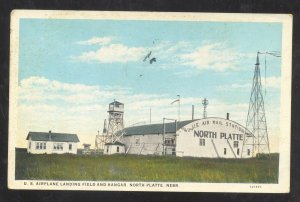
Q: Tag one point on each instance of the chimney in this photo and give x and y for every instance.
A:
(49, 135)
(192, 112)
(104, 127)
(227, 116)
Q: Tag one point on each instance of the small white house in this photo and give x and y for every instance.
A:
(114, 148)
(51, 143)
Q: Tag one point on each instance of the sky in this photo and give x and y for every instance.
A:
(70, 70)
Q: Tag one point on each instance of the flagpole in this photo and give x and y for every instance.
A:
(150, 115)
(178, 107)
(177, 100)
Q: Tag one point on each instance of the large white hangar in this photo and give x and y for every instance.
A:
(208, 137)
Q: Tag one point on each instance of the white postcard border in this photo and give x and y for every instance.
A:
(283, 185)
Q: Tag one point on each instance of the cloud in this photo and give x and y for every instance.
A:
(209, 56)
(214, 56)
(114, 53)
(234, 87)
(165, 51)
(272, 83)
(190, 60)
(96, 41)
(40, 89)
(46, 104)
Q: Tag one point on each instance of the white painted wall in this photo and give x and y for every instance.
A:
(150, 144)
(113, 149)
(188, 143)
(31, 147)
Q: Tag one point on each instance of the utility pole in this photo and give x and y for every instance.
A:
(150, 115)
(164, 132)
(178, 107)
(177, 100)
(192, 112)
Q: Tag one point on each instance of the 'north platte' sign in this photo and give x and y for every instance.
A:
(213, 138)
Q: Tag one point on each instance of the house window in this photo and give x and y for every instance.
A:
(39, 145)
(117, 149)
(238, 152)
(70, 146)
(236, 144)
(58, 146)
(107, 150)
(248, 152)
(29, 145)
(202, 142)
(224, 151)
(137, 141)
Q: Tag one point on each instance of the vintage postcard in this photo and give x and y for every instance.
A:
(150, 101)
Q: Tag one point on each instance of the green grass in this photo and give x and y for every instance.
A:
(145, 168)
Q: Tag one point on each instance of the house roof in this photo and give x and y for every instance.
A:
(155, 128)
(53, 137)
(115, 143)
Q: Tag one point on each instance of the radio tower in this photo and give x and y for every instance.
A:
(256, 118)
(204, 103)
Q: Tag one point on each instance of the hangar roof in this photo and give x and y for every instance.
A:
(53, 137)
(155, 128)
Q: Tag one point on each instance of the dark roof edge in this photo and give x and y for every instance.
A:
(30, 133)
(151, 134)
(115, 143)
(168, 123)
(52, 133)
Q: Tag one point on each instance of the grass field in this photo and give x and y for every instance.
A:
(145, 168)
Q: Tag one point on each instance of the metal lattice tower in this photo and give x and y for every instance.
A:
(204, 103)
(101, 139)
(115, 121)
(256, 118)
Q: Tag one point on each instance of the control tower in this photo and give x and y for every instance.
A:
(115, 121)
